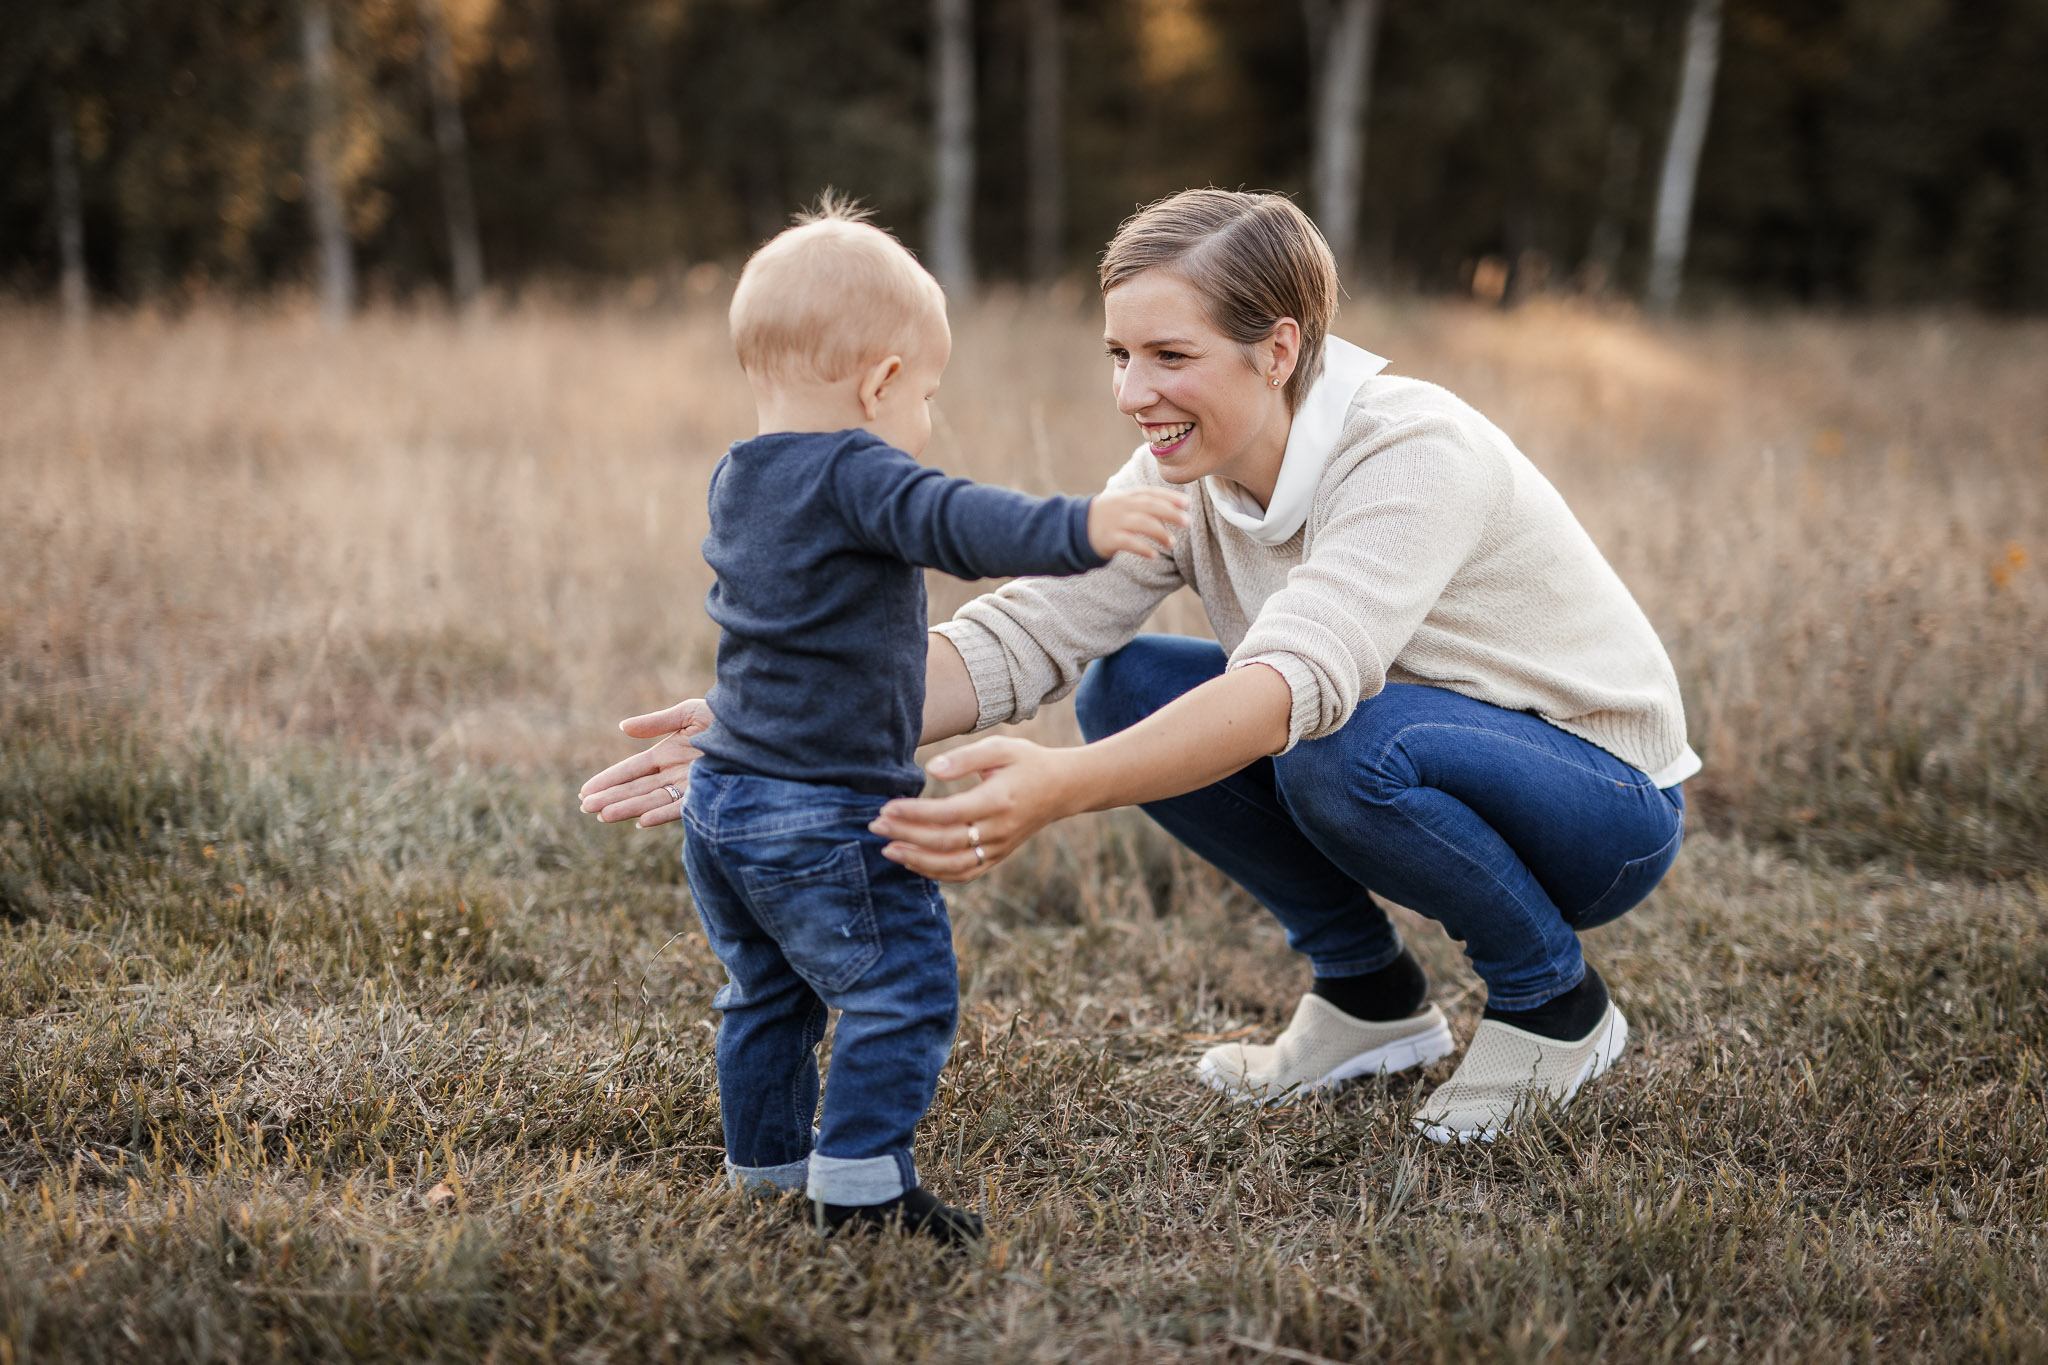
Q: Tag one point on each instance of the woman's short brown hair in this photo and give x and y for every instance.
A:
(1254, 259)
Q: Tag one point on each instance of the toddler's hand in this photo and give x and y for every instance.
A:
(1141, 520)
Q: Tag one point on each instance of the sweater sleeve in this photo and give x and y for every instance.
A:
(1027, 643)
(1400, 524)
(898, 507)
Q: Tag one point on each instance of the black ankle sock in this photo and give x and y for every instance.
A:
(1567, 1018)
(916, 1209)
(1395, 991)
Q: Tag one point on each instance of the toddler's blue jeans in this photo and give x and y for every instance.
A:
(806, 914)
(1501, 827)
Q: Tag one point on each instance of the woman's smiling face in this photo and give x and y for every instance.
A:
(1205, 403)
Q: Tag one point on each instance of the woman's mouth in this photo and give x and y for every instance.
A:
(1165, 437)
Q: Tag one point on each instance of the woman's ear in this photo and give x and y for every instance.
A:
(875, 383)
(1285, 352)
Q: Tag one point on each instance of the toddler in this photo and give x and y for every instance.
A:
(821, 526)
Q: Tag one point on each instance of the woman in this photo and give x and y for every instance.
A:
(1429, 683)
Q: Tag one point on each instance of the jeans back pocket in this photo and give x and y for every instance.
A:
(820, 914)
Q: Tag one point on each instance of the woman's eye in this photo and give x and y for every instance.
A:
(1119, 355)
(1170, 356)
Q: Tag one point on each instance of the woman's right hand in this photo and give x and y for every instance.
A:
(636, 788)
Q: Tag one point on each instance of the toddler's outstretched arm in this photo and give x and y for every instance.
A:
(979, 530)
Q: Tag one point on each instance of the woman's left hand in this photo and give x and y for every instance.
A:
(1023, 789)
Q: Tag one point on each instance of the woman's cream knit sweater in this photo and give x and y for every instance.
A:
(1433, 552)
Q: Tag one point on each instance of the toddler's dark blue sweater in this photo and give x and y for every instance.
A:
(818, 541)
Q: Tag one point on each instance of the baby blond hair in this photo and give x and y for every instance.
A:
(828, 297)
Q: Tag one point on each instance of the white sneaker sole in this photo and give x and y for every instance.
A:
(1605, 1053)
(1417, 1049)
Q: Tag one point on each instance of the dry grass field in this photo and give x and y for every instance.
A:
(329, 1030)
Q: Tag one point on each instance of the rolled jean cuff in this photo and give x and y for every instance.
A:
(765, 1180)
(1537, 998)
(860, 1180)
(768, 1180)
(1359, 966)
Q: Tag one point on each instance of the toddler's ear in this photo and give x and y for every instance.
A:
(875, 383)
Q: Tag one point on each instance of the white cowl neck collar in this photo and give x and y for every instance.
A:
(1318, 424)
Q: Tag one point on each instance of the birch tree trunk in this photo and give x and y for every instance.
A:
(72, 288)
(951, 221)
(1682, 154)
(323, 187)
(1340, 54)
(465, 256)
(1047, 169)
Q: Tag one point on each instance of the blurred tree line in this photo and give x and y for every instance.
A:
(1859, 151)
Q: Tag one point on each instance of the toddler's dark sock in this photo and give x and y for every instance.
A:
(1567, 1018)
(916, 1209)
(1395, 991)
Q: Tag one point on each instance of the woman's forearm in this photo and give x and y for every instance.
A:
(1198, 738)
(950, 706)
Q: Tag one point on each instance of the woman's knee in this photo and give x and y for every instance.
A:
(1635, 879)
(1123, 688)
(1362, 767)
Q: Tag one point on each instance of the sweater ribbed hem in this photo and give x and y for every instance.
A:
(1304, 696)
(988, 668)
(1639, 746)
(1681, 769)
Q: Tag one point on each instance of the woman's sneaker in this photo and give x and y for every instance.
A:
(1321, 1047)
(1509, 1072)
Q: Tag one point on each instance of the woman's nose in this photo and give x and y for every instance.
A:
(1133, 393)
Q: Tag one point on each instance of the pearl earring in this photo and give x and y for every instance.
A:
(1276, 383)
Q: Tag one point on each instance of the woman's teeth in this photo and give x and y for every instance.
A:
(1162, 437)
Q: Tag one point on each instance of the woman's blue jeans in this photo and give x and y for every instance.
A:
(1496, 824)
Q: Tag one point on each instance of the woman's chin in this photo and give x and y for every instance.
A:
(1182, 463)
